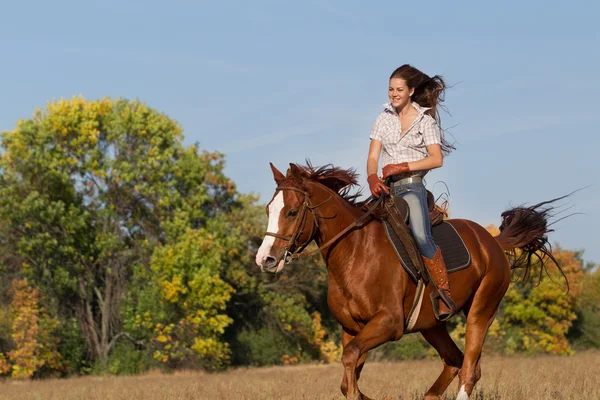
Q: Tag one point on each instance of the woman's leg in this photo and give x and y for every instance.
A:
(420, 225)
(416, 197)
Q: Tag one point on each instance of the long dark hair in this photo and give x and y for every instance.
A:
(429, 92)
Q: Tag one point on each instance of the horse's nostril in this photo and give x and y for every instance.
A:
(270, 262)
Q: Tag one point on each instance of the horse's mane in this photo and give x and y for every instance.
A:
(337, 179)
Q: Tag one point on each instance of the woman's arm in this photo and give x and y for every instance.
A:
(373, 160)
(376, 185)
(434, 160)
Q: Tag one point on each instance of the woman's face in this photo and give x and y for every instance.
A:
(399, 93)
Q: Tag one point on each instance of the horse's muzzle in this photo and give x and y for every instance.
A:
(269, 264)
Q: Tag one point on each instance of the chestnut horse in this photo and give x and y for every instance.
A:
(370, 294)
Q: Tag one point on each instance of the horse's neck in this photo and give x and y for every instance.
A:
(335, 216)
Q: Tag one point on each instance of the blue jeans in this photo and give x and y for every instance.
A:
(416, 197)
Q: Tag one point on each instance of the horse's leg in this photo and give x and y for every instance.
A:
(451, 356)
(466, 310)
(479, 318)
(378, 330)
(346, 337)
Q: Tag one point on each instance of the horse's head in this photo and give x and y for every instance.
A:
(292, 222)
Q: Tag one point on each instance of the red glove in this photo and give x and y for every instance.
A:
(376, 185)
(395, 169)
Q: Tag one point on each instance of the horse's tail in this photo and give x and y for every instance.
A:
(523, 235)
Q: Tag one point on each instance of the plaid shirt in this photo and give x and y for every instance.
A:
(423, 132)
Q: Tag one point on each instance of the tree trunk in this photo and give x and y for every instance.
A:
(96, 312)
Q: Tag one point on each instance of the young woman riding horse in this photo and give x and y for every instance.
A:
(370, 294)
(408, 132)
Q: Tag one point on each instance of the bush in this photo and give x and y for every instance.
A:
(72, 348)
(410, 347)
(267, 346)
(126, 359)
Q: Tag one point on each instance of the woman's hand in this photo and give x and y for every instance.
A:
(377, 186)
(395, 169)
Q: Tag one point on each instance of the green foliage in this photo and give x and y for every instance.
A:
(127, 359)
(187, 318)
(80, 195)
(265, 346)
(537, 318)
(286, 303)
(177, 302)
(410, 347)
(73, 348)
(585, 332)
(89, 191)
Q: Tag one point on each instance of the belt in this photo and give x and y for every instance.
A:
(406, 180)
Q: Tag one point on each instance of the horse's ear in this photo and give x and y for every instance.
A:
(277, 175)
(294, 171)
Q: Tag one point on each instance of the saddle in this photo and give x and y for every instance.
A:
(395, 213)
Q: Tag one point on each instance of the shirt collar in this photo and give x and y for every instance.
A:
(420, 110)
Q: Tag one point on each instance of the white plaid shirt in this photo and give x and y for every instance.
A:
(423, 132)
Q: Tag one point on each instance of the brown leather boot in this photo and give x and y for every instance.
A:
(437, 271)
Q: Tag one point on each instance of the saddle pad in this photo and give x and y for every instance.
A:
(455, 253)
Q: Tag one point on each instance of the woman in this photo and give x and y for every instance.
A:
(408, 132)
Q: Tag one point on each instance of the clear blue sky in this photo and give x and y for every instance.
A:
(282, 81)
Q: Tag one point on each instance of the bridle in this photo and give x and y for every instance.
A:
(299, 227)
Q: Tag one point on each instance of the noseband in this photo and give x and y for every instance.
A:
(288, 255)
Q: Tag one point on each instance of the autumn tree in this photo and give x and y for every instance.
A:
(181, 309)
(32, 334)
(535, 316)
(91, 193)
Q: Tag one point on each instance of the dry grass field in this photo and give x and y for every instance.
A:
(576, 377)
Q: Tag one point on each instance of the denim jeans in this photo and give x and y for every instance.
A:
(416, 197)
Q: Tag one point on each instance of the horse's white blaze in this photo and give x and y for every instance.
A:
(462, 395)
(273, 226)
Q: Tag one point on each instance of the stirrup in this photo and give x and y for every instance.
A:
(440, 295)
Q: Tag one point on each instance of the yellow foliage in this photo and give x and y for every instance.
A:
(4, 365)
(162, 338)
(492, 229)
(31, 332)
(330, 351)
(544, 313)
(172, 289)
(290, 360)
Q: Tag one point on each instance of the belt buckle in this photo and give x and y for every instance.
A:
(409, 179)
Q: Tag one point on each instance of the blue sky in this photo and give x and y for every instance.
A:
(281, 81)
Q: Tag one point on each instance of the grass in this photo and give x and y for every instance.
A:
(547, 377)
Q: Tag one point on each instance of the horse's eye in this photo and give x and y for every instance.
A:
(291, 213)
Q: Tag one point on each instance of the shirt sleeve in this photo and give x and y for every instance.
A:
(377, 130)
(431, 132)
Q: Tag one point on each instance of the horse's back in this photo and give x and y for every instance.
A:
(487, 256)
